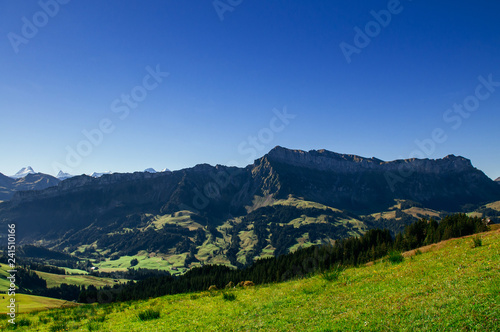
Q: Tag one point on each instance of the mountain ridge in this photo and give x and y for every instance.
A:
(33, 181)
(232, 215)
(269, 171)
(324, 159)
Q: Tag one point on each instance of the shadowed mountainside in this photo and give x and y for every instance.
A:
(38, 181)
(230, 215)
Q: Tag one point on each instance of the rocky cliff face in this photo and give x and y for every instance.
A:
(343, 163)
(361, 184)
(339, 180)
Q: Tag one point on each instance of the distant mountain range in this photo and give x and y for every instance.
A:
(219, 214)
(27, 179)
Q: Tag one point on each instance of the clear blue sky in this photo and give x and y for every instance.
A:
(227, 79)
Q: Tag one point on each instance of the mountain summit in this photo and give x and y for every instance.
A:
(63, 176)
(29, 181)
(23, 172)
(369, 184)
(98, 175)
(346, 163)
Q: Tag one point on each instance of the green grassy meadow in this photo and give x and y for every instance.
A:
(32, 303)
(55, 280)
(145, 262)
(446, 286)
(4, 283)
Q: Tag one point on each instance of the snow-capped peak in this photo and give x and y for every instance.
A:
(152, 170)
(98, 175)
(23, 172)
(63, 176)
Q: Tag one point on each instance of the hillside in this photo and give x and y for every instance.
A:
(27, 303)
(37, 181)
(450, 286)
(54, 280)
(33, 303)
(286, 200)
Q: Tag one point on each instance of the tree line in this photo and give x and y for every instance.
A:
(353, 251)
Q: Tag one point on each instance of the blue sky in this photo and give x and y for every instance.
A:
(243, 77)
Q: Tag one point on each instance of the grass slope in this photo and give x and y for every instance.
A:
(144, 261)
(54, 280)
(31, 303)
(4, 283)
(494, 205)
(451, 286)
(27, 303)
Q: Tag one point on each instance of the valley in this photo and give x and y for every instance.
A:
(101, 238)
(286, 200)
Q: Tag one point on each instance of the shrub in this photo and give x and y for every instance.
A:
(98, 319)
(59, 326)
(149, 314)
(229, 296)
(418, 252)
(92, 325)
(23, 322)
(134, 262)
(477, 241)
(333, 274)
(395, 257)
(309, 291)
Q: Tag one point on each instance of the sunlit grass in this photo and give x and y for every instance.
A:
(449, 287)
(54, 280)
(29, 303)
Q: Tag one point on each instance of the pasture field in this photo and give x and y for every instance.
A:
(451, 285)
